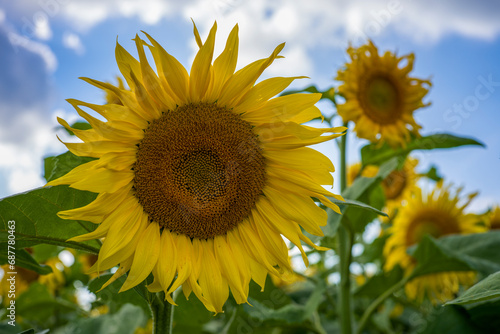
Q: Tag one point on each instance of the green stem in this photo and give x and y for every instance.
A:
(346, 238)
(163, 314)
(373, 306)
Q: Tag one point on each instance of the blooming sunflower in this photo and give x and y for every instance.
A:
(200, 174)
(380, 96)
(437, 214)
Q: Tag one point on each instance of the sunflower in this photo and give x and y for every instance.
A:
(200, 174)
(380, 96)
(437, 214)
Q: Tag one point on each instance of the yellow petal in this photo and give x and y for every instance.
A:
(262, 92)
(253, 245)
(185, 254)
(124, 267)
(214, 285)
(96, 210)
(104, 180)
(224, 65)
(301, 209)
(200, 75)
(281, 108)
(171, 70)
(151, 81)
(243, 80)
(96, 149)
(126, 64)
(168, 257)
(75, 174)
(276, 221)
(121, 233)
(229, 266)
(145, 257)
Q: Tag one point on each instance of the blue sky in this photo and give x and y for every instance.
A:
(46, 45)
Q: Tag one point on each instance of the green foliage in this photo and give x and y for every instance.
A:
(487, 289)
(36, 221)
(457, 253)
(25, 260)
(374, 155)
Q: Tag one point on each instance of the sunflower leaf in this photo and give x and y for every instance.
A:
(34, 214)
(485, 290)
(25, 260)
(457, 253)
(358, 204)
(60, 165)
(373, 155)
(450, 319)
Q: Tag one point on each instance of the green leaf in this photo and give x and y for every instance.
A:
(433, 257)
(36, 221)
(458, 252)
(28, 331)
(357, 204)
(60, 165)
(487, 289)
(433, 174)
(190, 315)
(112, 298)
(374, 155)
(25, 260)
(450, 320)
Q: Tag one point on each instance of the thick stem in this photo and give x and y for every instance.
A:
(346, 238)
(163, 315)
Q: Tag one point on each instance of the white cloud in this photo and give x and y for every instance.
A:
(19, 41)
(73, 42)
(22, 156)
(42, 27)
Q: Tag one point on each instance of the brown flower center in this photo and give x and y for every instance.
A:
(395, 183)
(380, 99)
(435, 223)
(199, 170)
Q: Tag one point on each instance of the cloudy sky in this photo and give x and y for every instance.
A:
(45, 45)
